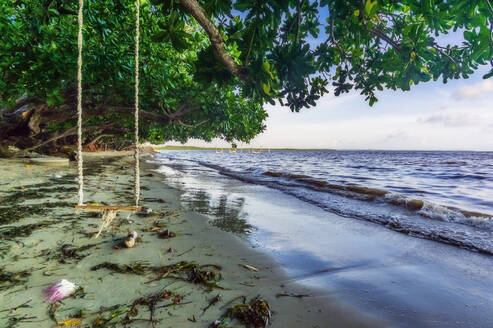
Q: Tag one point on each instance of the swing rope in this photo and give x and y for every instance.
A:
(109, 212)
(136, 150)
(79, 107)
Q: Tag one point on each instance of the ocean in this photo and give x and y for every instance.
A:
(438, 195)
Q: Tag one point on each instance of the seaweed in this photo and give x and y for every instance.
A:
(206, 275)
(24, 305)
(138, 268)
(212, 302)
(108, 314)
(10, 279)
(4, 248)
(23, 230)
(255, 314)
(15, 321)
(121, 314)
(68, 253)
(15, 212)
(153, 200)
(150, 302)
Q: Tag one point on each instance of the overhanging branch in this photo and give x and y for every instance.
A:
(195, 10)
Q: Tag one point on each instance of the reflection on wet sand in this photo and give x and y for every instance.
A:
(226, 212)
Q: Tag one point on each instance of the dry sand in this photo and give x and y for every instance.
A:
(44, 196)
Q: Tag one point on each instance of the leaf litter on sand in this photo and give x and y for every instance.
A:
(207, 275)
(10, 279)
(119, 315)
(255, 314)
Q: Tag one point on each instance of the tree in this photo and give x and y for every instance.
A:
(208, 67)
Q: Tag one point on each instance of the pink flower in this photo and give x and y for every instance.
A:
(59, 291)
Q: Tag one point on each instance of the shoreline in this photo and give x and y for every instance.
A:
(37, 253)
(408, 281)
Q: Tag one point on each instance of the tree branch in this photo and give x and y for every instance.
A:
(190, 125)
(217, 42)
(99, 137)
(386, 38)
(69, 132)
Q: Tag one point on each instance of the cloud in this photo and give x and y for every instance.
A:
(479, 89)
(450, 120)
(397, 135)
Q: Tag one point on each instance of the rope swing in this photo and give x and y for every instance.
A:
(109, 212)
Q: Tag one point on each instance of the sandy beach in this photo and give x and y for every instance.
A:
(43, 240)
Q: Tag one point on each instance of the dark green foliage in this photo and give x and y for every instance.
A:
(289, 51)
(39, 53)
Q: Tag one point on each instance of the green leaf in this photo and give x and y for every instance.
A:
(370, 7)
(266, 88)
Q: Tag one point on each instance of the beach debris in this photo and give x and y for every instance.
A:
(166, 234)
(257, 313)
(138, 268)
(15, 321)
(59, 291)
(248, 284)
(154, 200)
(25, 230)
(177, 299)
(219, 324)
(151, 302)
(159, 224)
(10, 279)
(146, 211)
(207, 275)
(242, 297)
(68, 253)
(249, 267)
(69, 322)
(130, 240)
(21, 306)
(187, 251)
(212, 302)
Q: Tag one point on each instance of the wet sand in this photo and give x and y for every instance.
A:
(39, 229)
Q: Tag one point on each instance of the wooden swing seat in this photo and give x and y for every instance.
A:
(97, 208)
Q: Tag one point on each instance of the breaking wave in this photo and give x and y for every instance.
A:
(422, 207)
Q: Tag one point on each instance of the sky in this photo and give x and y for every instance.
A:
(432, 116)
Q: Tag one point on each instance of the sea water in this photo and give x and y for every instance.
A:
(442, 196)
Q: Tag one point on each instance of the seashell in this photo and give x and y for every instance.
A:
(130, 240)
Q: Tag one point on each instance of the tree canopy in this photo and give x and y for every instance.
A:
(208, 67)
